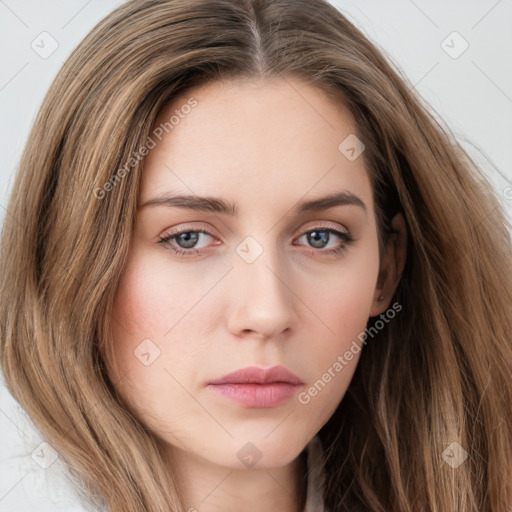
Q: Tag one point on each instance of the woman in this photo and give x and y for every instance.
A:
(244, 268)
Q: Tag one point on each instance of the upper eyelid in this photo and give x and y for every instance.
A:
(169, 232)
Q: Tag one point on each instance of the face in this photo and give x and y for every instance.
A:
(270, 261)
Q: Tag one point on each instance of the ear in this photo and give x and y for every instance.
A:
(391, 266)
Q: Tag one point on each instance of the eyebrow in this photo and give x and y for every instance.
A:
(218, 205)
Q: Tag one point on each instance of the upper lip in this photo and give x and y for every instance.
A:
(257, 375)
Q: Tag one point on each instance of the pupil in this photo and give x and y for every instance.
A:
(188, 239)
(317, 238)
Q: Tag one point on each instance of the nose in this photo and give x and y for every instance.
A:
(263, 303)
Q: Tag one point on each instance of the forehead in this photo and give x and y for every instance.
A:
(245, 138)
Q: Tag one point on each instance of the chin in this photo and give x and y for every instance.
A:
(266, 451)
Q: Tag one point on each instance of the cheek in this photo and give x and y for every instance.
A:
(139, 320)
(150, 302)
(149, 320)
(142, 303)
(341, 306)
(344, 299)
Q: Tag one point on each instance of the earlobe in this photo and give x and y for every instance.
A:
(392, 266)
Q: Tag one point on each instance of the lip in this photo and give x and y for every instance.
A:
(257, 387)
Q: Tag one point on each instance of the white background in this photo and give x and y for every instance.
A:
(471, 93)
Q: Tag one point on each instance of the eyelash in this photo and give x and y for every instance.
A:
(346, 238)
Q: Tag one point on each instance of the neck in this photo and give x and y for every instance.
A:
(213, 488)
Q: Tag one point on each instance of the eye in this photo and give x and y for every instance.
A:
(326, 240)
(187, 242)
(188, 239)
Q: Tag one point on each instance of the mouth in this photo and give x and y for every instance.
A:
(257, 387)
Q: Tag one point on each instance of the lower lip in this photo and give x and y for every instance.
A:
(257, 395)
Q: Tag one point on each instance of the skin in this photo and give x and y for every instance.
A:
(263, 145)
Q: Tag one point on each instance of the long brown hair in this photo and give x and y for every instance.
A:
(439, 374)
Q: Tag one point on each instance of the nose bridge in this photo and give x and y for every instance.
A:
(263, 300)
